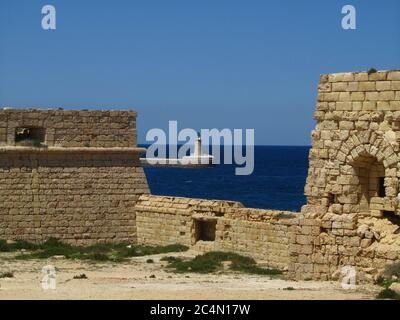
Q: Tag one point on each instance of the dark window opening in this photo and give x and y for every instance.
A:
(205, 230)
(393, 218)
(30, 136)
(323, 230)
(331, 199)
(381, 187)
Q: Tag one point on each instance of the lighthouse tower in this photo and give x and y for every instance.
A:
(198, 157)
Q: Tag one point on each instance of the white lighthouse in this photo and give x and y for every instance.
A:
(198, 157)
(197, 147)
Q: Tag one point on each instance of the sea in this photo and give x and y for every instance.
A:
(277, 181)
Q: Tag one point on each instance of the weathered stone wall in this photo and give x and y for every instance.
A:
(261, 234)
(85, 184)
(77, 194)
(72, 128)
(352, 212)
(352, 185)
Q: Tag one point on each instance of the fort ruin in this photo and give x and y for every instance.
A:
(76, 176)
(72, 175)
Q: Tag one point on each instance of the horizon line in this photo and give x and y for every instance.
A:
(256, 145)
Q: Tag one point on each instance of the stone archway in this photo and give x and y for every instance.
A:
(367, 143)
(371, 185)
(373, 182)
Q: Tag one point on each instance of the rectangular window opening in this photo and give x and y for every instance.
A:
(393, 218)
(30, 136)
(205, 230)
(331, 198)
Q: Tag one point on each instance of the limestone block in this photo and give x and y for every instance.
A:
(346, 125)
(339, 86)
(395, 85)
(344, 97)
(352, 86)
(393, 75)
(361, 76)
(386, 95)
(331, 97)
(383, 105)
(372, 96)
(383, 85)
(378, 76)
(394, 105)
(325, 87)
(344, 106)
(336, 77)
(367, 86)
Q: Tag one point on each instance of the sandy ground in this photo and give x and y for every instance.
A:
(138, 279)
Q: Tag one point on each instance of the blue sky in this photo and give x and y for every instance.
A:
(205, 63)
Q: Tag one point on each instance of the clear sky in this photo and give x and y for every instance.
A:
(206, 63)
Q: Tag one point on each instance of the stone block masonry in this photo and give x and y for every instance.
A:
(352, 187)
(79, 184)
(76, 176)
(70, 128)
(225, 225)
(352, 215)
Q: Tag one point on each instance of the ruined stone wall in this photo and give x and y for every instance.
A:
(83, 183)
(261, 234)
(352, 215)
(64, 189)
(353, 179)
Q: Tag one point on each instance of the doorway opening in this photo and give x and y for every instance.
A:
(205, 230)
(371, 178)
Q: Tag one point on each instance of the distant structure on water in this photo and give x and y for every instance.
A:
(197, 159)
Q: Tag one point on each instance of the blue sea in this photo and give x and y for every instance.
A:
(277, 181)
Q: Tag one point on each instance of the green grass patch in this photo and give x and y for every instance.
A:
(97, 252)
(388, 294)
(212, 261)
(389, 276)
(384, 282)
(17, 245)
(7, 275)
(170, 259)
(392, 270)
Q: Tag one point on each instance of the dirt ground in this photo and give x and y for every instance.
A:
(138, 279)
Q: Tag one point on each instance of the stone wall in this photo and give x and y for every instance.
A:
(71, 128)
(83, 183)
(261, 234)
(63, 188)
(352, 187)
(352, 215)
